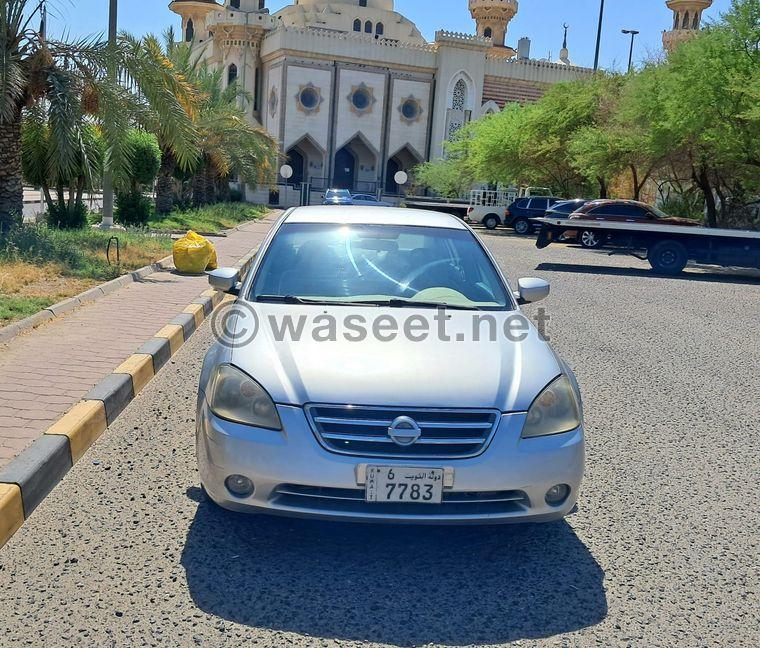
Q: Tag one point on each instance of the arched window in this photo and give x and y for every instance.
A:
(685, 23)
(695, 25)
(189, 30)
(357, 25)
(487, 32)
(232, 74)
(368, 27)
(379, 29)
(459, 97)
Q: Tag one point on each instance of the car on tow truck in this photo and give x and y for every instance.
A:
(440, 430)
(620, 211)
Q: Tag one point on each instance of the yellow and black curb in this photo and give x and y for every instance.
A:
(30, 477)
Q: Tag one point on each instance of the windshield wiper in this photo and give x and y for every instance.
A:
(291, 299)
(408, 303)
(391, 303)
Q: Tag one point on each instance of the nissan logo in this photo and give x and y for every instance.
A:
(404, 431)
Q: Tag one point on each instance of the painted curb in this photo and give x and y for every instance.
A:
(31, 476)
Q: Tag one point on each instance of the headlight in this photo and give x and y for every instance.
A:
(237, 397)
(556, 410)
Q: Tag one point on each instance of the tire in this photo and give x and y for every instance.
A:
(491, 222)
(668, 257)
(591, 239)
(523, 227)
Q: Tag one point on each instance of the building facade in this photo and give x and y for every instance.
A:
(351, 89)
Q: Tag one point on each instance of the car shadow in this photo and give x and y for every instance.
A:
(392, 584)
(711, 276)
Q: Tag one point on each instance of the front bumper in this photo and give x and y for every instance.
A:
(294, 475)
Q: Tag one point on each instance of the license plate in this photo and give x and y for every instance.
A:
(404, 485)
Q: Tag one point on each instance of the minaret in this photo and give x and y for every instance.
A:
(564, 53)
(687, 21)
(492, 18)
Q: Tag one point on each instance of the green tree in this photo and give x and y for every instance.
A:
(702, 109)
(229, 143)
(530, 144)
(144, 153)
(62, 188)
(71, 79)
(448, 177)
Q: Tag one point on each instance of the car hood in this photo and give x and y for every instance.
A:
(499, 373)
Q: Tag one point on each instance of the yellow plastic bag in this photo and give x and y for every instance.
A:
(193, 254)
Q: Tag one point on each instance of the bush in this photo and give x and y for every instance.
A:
(132, 208)
(145, 155)
(236, 195)
(684, 205)
(60, 216)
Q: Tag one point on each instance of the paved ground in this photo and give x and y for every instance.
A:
(46, 371)
(663, 550)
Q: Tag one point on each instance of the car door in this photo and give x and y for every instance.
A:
(537, 207)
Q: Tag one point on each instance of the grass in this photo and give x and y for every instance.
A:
(40, 266)
(208, 220)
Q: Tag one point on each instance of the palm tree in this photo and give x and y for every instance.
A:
(229, 143)
(78, 84)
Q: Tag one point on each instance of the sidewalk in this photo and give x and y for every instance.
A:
(46, 371)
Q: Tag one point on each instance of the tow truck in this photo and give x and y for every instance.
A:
(668, 248)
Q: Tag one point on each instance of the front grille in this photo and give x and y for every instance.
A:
(351, 500)
(363, 431)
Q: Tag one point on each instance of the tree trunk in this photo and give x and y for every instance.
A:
(703, 181)
(165, 183)
(199, 188)
(636, 186)
(602, 187)
(11, 188)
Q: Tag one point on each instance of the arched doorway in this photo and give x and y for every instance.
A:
(403, 160)
(345, 169)
(297, 163)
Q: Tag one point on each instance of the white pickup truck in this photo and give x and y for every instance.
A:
(488, 207)
(668, 248)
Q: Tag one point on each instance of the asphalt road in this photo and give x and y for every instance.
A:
(663, 549)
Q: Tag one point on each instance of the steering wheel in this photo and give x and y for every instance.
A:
(411, 276)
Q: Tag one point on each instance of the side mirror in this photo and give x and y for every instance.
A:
(224, 279)
(531, 290)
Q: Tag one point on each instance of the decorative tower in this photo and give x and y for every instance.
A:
(687, 21)
(492, 18)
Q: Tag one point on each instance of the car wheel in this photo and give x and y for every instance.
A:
(522, 227)
(590, 239)
(491, 222)
(668, 257)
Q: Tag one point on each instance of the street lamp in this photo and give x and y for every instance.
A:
(107, 221)
(599, 35)
(633, 33)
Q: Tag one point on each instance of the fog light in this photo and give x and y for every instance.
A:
(239, 486)
(557, 494)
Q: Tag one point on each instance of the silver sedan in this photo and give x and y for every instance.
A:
(376, 366)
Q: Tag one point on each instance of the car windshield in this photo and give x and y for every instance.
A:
(338, 193)
(395, 265)
(658, 212)
(566, 207)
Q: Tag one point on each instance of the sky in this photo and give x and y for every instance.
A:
(540, 20)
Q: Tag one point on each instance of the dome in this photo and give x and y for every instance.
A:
(386, 5)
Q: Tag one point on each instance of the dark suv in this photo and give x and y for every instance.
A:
(520, 213)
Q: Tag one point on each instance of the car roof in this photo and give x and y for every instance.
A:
(610, 201)
(356, 215)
